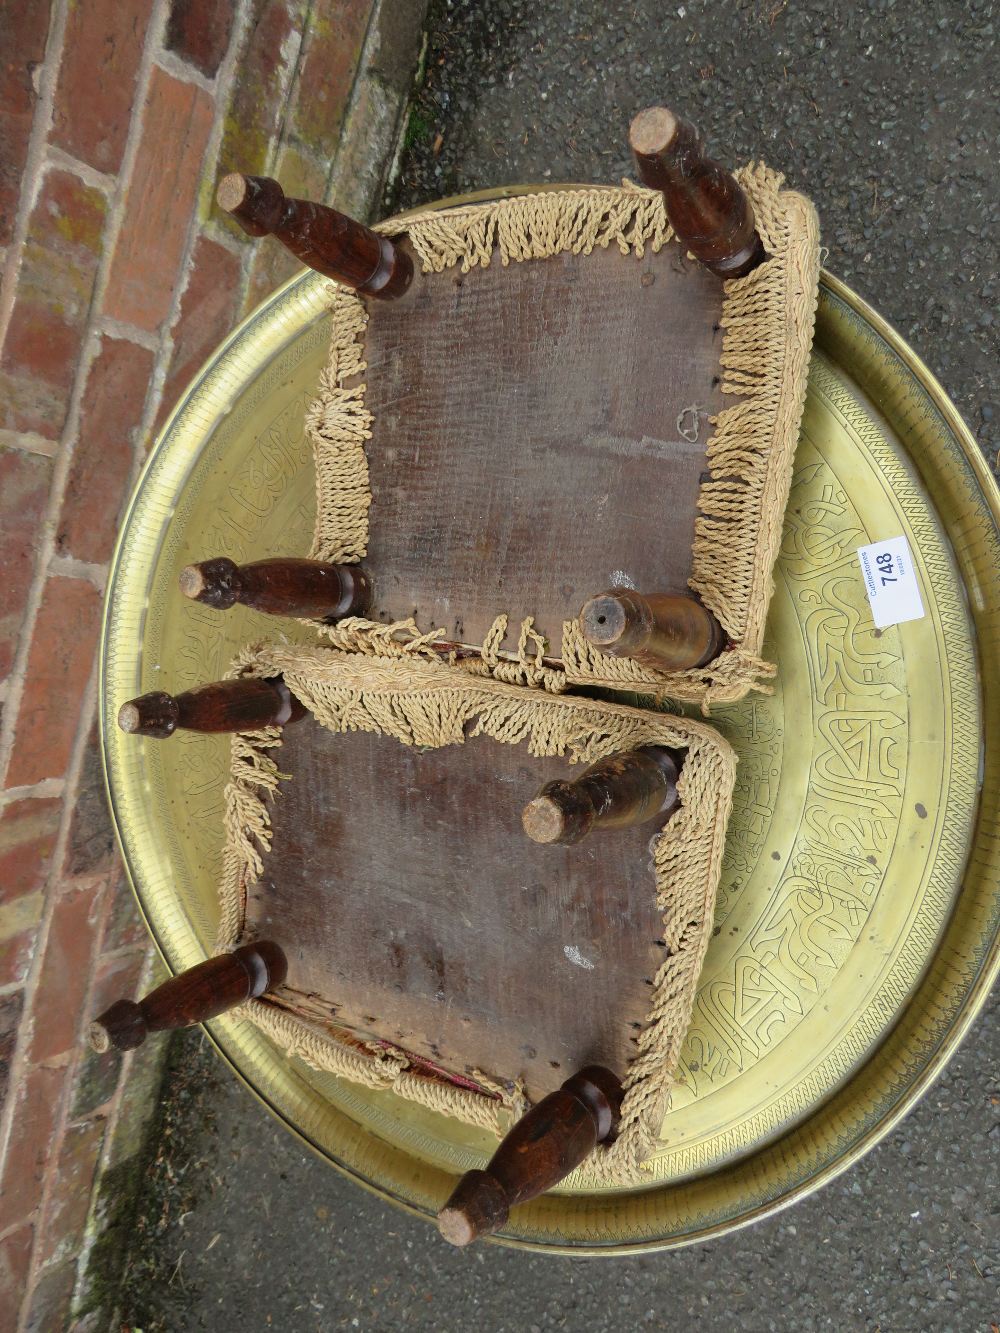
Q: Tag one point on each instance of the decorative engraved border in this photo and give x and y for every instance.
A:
(961, 714)
(882, 1091)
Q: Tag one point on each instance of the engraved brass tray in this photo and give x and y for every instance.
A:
(859, 912)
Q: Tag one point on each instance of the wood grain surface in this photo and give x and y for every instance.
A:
(409, 902)
(528, 447)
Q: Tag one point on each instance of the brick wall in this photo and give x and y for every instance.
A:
(116, 119)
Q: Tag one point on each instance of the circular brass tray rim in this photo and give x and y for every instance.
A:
(928, 381)
(975, 995)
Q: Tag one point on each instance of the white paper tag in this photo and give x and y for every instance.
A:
(891, 582)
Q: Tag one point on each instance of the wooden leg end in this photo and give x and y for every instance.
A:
(478, 1206)
(120, 1028)
(545, 1145)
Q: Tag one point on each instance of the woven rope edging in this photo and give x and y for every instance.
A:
(425, 702)
(767, 322)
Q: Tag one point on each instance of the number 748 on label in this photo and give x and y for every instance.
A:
(884, 562)
(891, 582)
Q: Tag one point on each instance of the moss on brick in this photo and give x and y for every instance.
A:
(141, 1130)
(258, 102)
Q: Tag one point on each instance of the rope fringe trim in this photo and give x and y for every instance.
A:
(767, 322)
(722, 681)
(338, 423)
(424, 701)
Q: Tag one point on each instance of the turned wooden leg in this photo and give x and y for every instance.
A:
(543, 1148)
(616, 792)
(195, 996)
(661, 631)
(326, 240)
(228, 705)
(280, 587)
(708, 210)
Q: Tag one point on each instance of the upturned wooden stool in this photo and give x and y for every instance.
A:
(557, 429)
(445, 909)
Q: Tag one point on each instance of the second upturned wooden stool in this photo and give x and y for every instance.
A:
(422, 893)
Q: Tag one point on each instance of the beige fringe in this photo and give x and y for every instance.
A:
(767, 320)
(421, 700)
(335, 1052)
(338, 423)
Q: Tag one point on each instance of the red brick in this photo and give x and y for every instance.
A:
(116, 977)
(331, 50)
(28, 403)
(15, 1260)
(302, 174)
(10, 1021)
(160, 202)
(66, 1214)
(28, 831)
(20, 919)
(67, 222)
(208, 312)
(111, 413)
(91, 845)
(198, 31)
(42, 349)
(96, 1076)
(24, 493)
(33, 1128)
(51, 1298)
(59, 665)
(67, 966)
(41, 343)
(260, 92)
(17, 948)
(97, 78)
(23, 30)
(126, 928)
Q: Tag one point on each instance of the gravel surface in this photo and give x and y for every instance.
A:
(243, 1229)
(886, 115)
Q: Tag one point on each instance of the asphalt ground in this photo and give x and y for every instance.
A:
(886, 115)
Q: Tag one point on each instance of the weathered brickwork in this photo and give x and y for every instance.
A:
(117, 118)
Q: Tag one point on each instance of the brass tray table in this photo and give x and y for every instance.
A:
(858, 923)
